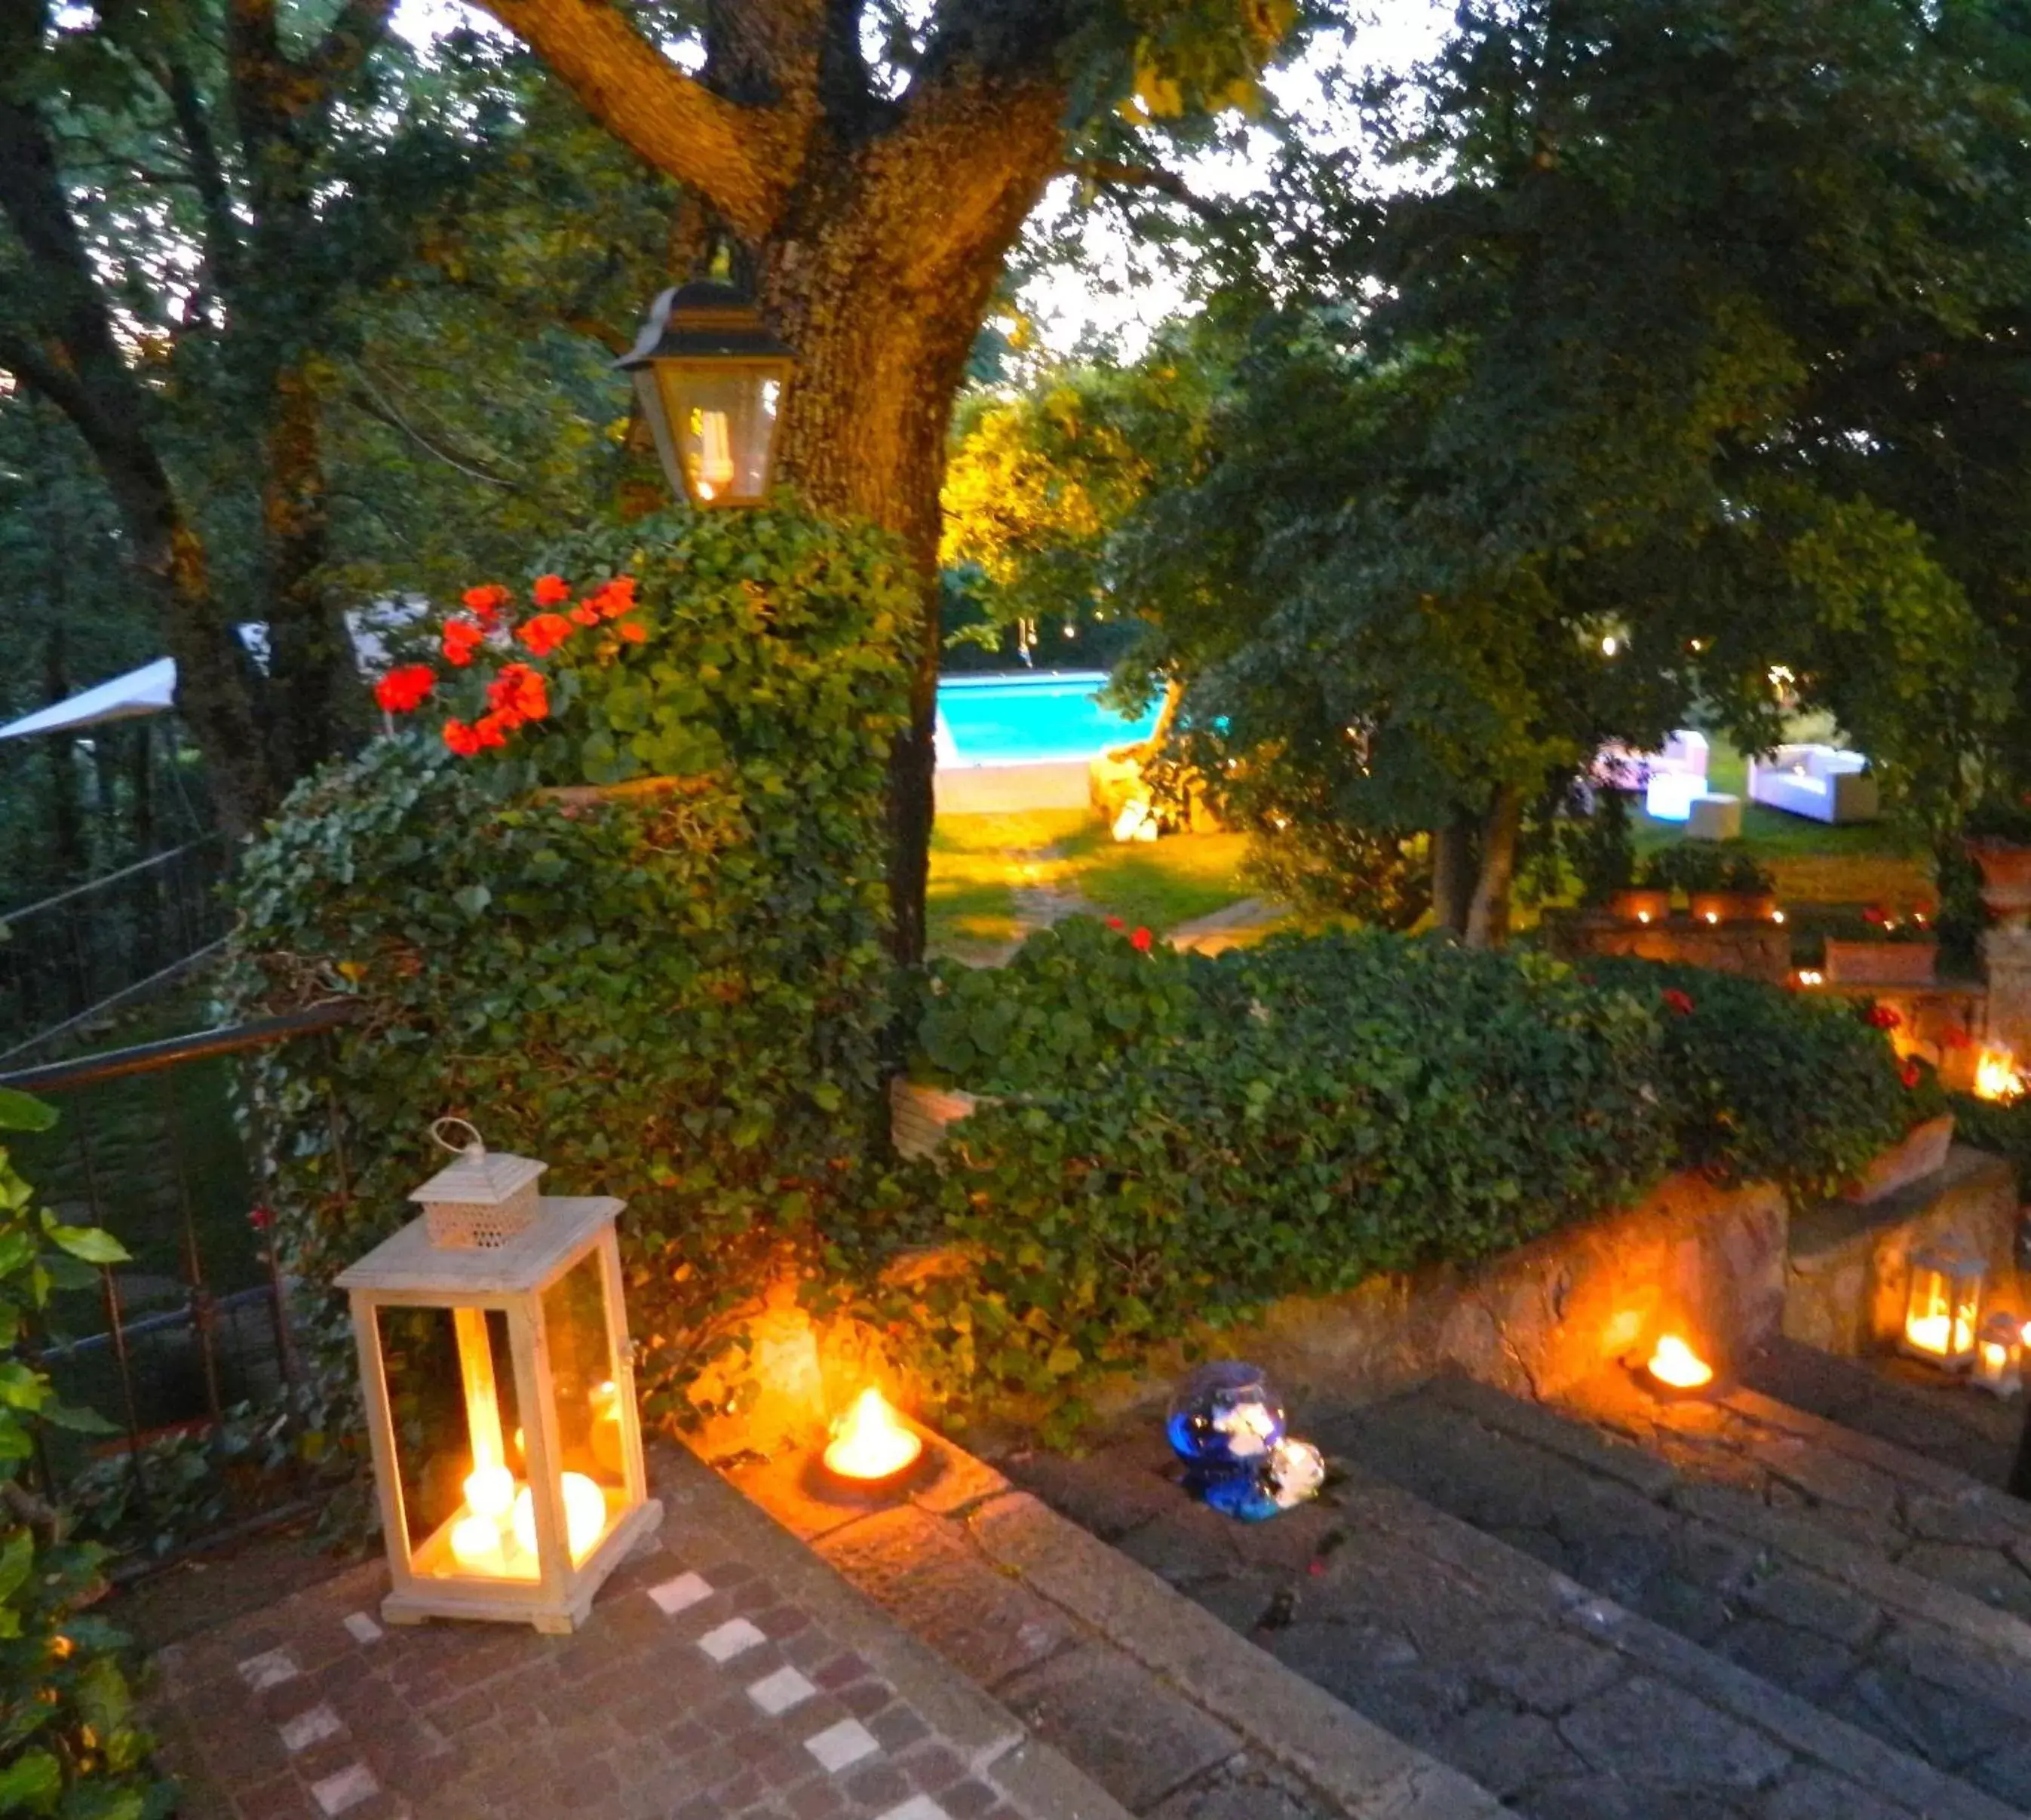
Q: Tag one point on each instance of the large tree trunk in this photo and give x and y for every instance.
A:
(313, 681)
(1454, 869)
(880, 284)
(77, 365)
(1488, 917)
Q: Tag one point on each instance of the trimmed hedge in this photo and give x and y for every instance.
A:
(678, 997)
(1324, 1109)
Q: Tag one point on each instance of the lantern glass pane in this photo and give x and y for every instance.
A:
(458, 1441)
(720, 427)
(585, 1383)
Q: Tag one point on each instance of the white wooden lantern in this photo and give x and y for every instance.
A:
(500, 1403)
(1998, 1354)
(1942, 1306)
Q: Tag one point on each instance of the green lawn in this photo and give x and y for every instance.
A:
(979, 862)
(1814, 864)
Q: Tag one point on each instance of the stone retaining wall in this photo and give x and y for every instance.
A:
(1756, 950)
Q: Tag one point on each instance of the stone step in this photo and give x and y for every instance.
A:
(1568, 1705)
(1866, 1495)
(1771, 1555)
(1899, 1400)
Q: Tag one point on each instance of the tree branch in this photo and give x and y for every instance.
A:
(366, 398)
(1111, 174)
(743, 159)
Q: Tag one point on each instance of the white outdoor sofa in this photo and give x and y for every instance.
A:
(1824, 782)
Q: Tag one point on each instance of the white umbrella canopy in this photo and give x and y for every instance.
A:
(152, 689)
(149, 690)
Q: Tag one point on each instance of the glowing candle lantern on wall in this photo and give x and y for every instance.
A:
(1942, 1305)
(1998, 1356)
(493, 1350)
(1996, 1076)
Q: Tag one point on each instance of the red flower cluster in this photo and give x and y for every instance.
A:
(518, 694)
(544, 632)
(1678, 1002)
(1883, 1017)
(1911, 1073)
(1875, 915)
(403, 689)
(1139, 939)
(462, 637)
(260, 1217)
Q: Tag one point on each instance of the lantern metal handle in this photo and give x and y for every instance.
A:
(476, 1148)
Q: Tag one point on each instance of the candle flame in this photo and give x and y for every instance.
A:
(1996, 1075)
(869, 1442)
(1674, 1362)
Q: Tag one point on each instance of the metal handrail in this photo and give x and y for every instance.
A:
(172, 1051)
(129, 871)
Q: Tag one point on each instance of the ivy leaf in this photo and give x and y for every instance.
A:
(473, 899)
(30, 1782)
(22, 1111)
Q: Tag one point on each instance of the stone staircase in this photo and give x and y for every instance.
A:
(1791, 1603)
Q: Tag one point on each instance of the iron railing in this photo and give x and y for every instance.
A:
(85, 951)
(147, 1146)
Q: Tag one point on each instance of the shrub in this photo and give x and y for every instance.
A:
(1762, 1084)
(69, 1744)
(1074, 995)
(678, 996)
(1325, 1108)
(1698, 866)
(2002, 1126)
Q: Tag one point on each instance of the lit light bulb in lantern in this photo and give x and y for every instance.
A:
(1713, 916)
(1776, 916)
(1643, 915)
(475, 1544)
(869, 1442)
(1673, 1362)
(585, 1517)
(490, 1492)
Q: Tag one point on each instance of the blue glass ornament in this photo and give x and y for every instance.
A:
(1224, 1415)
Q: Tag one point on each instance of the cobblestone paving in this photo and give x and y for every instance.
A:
(1897, 1400)
(1633, 1529)
(1927, 1517)
(1561, 1702)
(699, 1691)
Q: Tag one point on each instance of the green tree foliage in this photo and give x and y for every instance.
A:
(676, 995)
(1677, 357)
(69, 1746)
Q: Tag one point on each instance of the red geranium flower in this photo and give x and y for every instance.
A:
(1139, 939)
(462, 637)
(486, 602)
(1884, 1017)
(461, 738)
(260, 1218)
(633, 630)
(584, 613)
(1910, 1073)
(545, 632)
(491, 730)
(1678, 1002)
(615, 597)
(518, 694)
(402, 690)
(550, 589)
(1116, 922)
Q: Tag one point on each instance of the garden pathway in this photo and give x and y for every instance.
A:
(1594, 1632)
(725, 1674)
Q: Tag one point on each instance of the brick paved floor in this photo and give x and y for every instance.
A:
(715, 1681)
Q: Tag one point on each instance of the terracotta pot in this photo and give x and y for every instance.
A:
(1922, 1153)
(2006, 880)
(1732, 906)
(1881, 963)
(1633, 906)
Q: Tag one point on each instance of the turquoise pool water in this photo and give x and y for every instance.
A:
(998, 720)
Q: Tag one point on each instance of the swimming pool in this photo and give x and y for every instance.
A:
(1030, 720)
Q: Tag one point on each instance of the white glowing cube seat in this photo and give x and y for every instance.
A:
(1668, 795)
(1715, 817)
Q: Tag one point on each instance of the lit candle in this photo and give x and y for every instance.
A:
(475, 1545)
(1675, 1363)
(868, 1443)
